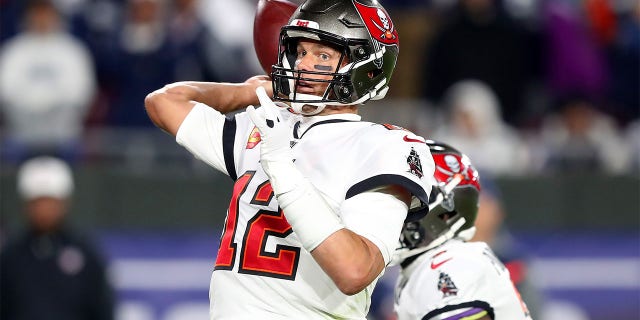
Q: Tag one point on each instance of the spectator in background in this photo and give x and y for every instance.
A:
(579, 138)
(200, 55)
(142, 62)
(476, 128)
(575, 63)
(49, 271)
(481, 42)
(231, 23)
(491, 229)
(632, 136)
(9, 19)
(97, 23)
(47, 82)
(624, 55)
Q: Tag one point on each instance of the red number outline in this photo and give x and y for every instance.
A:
(283, 263)
(227, 249)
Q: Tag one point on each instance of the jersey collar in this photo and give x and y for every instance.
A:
(305, 123)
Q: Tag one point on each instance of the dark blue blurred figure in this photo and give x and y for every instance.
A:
(481, 42)
(97, 24)
(199, 55)
(158, 43)
(49, 271)
(10, 11)
(625, 66)
(142, 62)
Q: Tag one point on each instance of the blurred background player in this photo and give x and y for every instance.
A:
(47, 82)
(319, 249)
(49, 271)
(474, 124)
(491, 228)
(442, 275)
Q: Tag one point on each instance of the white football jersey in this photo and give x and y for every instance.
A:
(261, 270)
(458, 280)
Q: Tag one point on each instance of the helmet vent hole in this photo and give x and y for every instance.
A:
(374, 73)
(361, 53)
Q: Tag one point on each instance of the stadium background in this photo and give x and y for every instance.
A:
(157, 212)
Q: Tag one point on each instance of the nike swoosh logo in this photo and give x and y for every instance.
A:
(407, 139)
(437, 265)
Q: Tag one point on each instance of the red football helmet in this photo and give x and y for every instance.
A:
(453, 204)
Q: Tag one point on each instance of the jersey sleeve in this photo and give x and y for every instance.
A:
(376, 216)
(211, 137)
(394, 157)
(460, 291)
(384, 158)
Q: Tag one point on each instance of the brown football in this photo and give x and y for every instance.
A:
(270, 16)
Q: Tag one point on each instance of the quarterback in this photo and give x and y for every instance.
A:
(320, 196)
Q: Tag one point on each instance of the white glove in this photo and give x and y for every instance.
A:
(311, 218)
(274, 132)
(275, 152)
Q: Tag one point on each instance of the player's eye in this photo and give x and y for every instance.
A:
(325, 57)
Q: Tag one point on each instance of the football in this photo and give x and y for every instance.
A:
(270, 16)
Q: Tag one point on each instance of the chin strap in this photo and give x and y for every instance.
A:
(299, 106)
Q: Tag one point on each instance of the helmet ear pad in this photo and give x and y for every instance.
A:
(372, 77)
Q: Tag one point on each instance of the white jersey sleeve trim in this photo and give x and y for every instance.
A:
(205, 133)
(376, 216)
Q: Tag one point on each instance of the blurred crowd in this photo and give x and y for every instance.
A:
(68, 65)
(534, 86)
(521, 86)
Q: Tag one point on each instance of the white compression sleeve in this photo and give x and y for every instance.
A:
(311, 218)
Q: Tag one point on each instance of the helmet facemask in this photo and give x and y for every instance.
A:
(346, 85)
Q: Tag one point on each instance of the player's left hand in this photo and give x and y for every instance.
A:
(274, 131)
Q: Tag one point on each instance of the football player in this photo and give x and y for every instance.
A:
(320, 196)
(442, 276)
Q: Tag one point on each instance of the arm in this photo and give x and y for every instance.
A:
(168, 106)
(351, 260)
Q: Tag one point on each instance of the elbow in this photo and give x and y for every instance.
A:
(167, 110)
(151, 105)
(150, 101)
(353, 281)
(350, 290)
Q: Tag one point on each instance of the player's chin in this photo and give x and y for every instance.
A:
(306, 89)
(308, 109)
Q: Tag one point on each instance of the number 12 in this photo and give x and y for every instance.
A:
(283, 263)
